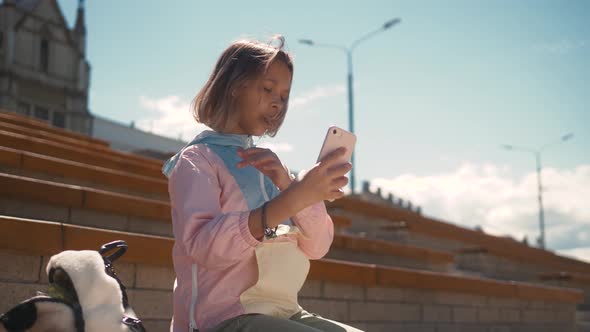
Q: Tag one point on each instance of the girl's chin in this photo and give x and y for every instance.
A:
(259, 131)
(256, 131)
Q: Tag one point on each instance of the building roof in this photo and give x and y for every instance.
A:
(27, 7)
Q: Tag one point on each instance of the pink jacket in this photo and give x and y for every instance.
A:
(214, 251)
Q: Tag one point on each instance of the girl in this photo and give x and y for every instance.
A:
(244, 230)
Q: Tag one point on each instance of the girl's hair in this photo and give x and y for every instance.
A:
(243, 60)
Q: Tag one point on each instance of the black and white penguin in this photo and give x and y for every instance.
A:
(84, 296)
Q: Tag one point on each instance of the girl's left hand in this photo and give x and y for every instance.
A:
(268, 163)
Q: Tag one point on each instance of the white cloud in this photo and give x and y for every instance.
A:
(169, 116)
(276, 147)
(316, 93)
(579, 253)
(563, 46)
(485, 195)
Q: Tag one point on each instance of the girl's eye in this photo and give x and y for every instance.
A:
(267, 90)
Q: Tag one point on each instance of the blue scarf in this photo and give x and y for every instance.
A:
(210, 137)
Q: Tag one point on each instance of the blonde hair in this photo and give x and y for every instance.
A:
(241, 61)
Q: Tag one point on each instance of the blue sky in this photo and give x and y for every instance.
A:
(435, 96)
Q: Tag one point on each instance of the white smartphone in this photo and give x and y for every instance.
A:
(335, 138)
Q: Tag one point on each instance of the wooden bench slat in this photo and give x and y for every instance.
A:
(46, 147)
(13, 186)
(158, 251)
(10, 117)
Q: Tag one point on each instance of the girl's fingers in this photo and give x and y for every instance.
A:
(335, 195)
(256, 159)
(247, 154)
(251, 151)
(331, 158)
(340, 182)
(340, 170)
(269, 165)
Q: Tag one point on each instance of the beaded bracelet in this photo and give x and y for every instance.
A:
(268, 232)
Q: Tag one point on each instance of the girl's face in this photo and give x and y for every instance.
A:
(261, 101)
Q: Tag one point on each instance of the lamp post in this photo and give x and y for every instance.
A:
(537, 154)
(348, 50)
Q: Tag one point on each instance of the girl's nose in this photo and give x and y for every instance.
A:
(276, 104)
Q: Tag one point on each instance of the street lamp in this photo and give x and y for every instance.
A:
(537, 154)
(348, 51)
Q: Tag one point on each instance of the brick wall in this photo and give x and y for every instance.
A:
(403, 309)
(368, 308)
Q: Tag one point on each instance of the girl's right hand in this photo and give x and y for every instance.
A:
(325, 180)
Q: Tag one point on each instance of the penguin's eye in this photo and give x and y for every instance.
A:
(60, 277)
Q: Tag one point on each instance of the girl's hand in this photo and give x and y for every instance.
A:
(325, 180)
(268, 163)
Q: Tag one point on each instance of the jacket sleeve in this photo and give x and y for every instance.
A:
(213, 239)
(317, 230)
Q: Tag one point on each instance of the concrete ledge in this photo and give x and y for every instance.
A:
(44, 238)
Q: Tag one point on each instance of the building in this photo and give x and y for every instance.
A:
(44, 72)
(128, 138)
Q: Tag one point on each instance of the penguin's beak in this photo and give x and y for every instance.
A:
(61, 286)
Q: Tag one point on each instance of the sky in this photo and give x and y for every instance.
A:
(435, 96)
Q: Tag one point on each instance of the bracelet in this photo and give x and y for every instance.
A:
(268, 232)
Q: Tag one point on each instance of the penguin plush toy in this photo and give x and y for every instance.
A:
(85, 295)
